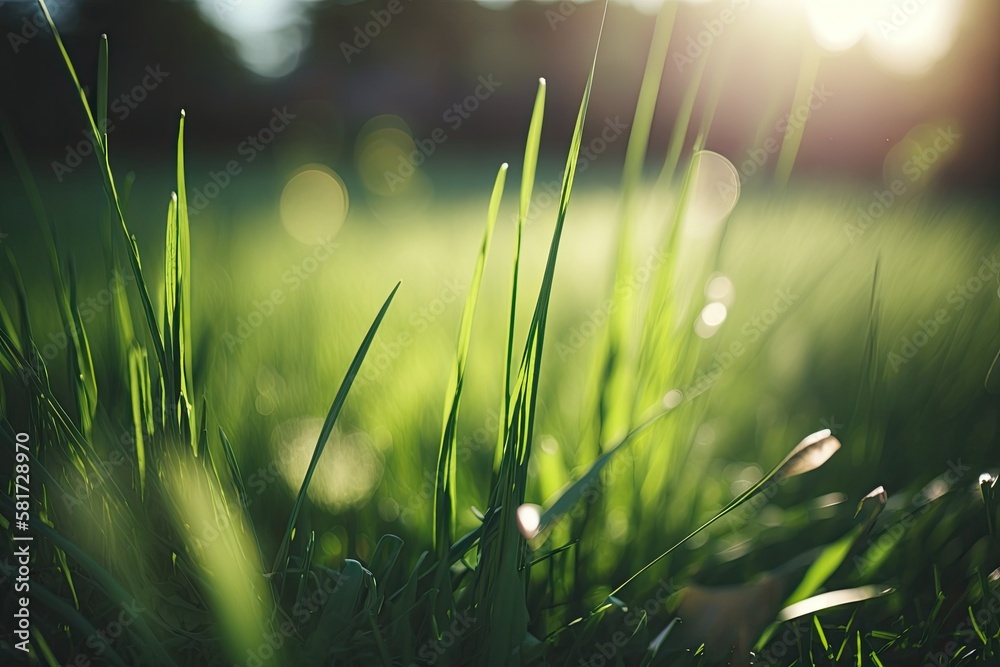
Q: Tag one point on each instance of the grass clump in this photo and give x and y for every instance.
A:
(638, 556)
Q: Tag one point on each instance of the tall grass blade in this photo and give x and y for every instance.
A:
(613, 366)
(170, 271)
(185, 344)
(531, 149)
(79, 350)
(113, 199)
(803, 92)
(102, 92)
(502, 573)
(138, 384)
(812, 452)
(331, 418)
(84, 374)
(444, 483)
(682, 125)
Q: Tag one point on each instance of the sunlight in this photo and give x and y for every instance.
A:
(907, 36)
(269, 35)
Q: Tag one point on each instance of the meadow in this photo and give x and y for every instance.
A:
(528, 428)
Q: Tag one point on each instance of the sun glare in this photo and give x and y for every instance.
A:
(906, 36)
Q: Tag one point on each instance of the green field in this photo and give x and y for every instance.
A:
(195, 499)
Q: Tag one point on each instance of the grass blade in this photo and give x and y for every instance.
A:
(112, 193)
(444, 484)
(832, 599)
(139, 384)
(792, 140)
(502, 576)
(331, 418)
(812, 452)
(102, 91)
(622, 313)
(527, 184)
(184, 343)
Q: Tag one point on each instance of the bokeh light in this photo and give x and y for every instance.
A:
(314, 204)
(348, 472)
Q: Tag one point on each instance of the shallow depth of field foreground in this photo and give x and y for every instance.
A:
(500, 333)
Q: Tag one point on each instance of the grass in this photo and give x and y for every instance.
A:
(554, 472)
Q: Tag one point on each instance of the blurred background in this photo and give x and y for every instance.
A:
(334, 148)
(889, 66)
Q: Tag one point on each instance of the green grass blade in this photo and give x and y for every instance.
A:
(682, 124)
(138, 384)
(331, 418)
(992, 382)
(531, 149)
(234, 469)
(826, 563)
(531, 152)
(444, 485)
(306, 566)
(102, 91)
(832, 599)
(185, 344)
(536, 334)
(64, 293)
(83, 362)
(73, 618)
(793, 139)
(575, 491)
(170, 322)
(501, 577)
(156, 652)
(812, 452)
(112, 193)
(612, 366)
